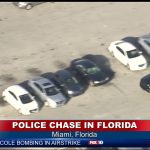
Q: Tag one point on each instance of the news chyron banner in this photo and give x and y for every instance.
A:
(75, 133)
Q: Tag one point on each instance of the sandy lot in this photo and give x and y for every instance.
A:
(51, 35)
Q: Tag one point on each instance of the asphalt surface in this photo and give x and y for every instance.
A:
(49, 36)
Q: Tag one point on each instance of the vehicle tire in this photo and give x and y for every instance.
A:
(91, 83)
(128, 66)
(4, 98)
(148, 90)
(28, 7)
(20, 111)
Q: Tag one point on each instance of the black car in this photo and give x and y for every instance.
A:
(68, 83)
(90, 71)
(145, 83)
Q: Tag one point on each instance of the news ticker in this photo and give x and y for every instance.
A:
(102, 139)
(74, 133)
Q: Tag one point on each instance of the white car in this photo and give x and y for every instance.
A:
(144, 41)
(47, 91)
(128, 55)
(26, 5)
(20, 99)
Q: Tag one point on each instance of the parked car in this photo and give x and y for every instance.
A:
(90, 71)
(145, 83)
(144, 41)
(26, 5)
(47, 91)
(128, 55)
(68, 83)
(20, 99)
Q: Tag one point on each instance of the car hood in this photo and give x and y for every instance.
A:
(31, 105)
(99, 76)
(58, 97)
(146, 79)
(138, 60)
(74, 87)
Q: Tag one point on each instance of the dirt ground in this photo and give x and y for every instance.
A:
(49, 36)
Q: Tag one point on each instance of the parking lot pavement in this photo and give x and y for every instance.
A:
(49, 36)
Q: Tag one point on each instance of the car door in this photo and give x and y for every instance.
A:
(120, 55)
(39, 90)
(82, 74)
(13, 100)
(61, 83)
(59, 80)
(146, 46)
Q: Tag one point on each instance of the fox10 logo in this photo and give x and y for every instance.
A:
(95, 142)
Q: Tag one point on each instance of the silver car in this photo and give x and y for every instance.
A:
(144, 41)
(47, 91)
(26, 5)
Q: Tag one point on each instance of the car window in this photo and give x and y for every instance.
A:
(46, 84)
(71, 80)
(147, 42)
(25, 98)
(13, 95)
(59, 79)
(93, 70)
(80, 67)
(52, 91)
(38, 86)
(133, 53)
(120, 50)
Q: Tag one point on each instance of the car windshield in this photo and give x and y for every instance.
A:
(89, 69)
(71, 81)
(51, 91)
(147, 42)
(93, 70)
(25, 99)
(133, 53)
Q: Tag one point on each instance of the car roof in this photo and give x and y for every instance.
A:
(126, 46)
(64, 73)
(82, 61)
(147, 37)
(18, 90)
(44, 82)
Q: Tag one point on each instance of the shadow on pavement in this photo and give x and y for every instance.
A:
(2, 102)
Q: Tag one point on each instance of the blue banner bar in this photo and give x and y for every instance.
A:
(72, 143)
(51, 139)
